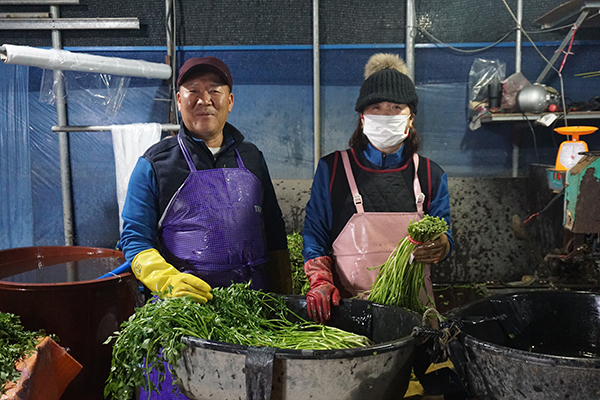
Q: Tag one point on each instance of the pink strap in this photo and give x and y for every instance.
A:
(353, 188)
(419, 196)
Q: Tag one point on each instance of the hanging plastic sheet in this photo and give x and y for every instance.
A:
(107, 91)
(129, 143)
(15, 169)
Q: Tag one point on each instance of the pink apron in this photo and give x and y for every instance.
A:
(369, 238)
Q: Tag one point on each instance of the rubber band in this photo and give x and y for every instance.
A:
(413, 241)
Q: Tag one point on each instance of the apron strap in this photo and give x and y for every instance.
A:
(186, 154)
(238, 158)
(353, 188)
(419, 196)
(190, 163)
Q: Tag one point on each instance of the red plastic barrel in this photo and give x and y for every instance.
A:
(54, 288)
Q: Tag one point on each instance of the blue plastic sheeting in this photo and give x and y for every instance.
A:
(273, 108)
(15, 178)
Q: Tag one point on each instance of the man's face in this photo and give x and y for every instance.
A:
(204, 102)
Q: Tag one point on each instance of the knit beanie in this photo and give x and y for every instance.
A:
(386, 80)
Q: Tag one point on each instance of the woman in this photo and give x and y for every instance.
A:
(363, 199)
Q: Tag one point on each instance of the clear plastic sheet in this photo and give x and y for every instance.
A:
(15, 207)
(108, 91)
(483, 76)
(30, 171)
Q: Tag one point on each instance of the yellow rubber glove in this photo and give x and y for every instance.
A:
(157, 274)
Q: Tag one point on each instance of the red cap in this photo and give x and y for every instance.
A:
(205, 63)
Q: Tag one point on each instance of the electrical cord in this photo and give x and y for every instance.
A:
(560, 193)
(537, 155)
(436, 40)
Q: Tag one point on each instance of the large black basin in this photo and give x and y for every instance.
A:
(541, 344)
(211, 369)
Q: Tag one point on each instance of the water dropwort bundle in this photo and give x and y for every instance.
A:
(399, 282)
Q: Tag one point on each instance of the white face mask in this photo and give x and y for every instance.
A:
(385, 131)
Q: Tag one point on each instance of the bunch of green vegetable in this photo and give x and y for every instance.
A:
(236, 314)
(399, 282)
(300, 283)
(15, 344)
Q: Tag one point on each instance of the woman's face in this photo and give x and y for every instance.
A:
(387, 108)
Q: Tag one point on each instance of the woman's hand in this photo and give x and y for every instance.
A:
(433, 251)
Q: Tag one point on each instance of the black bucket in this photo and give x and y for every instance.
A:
(381, 371)
(541, 344)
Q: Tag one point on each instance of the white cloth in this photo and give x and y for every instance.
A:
(129, 143)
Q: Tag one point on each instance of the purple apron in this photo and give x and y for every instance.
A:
(212, 227)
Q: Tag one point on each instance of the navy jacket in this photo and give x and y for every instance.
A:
(322, 223)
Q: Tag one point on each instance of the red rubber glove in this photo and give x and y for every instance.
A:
(322, 291)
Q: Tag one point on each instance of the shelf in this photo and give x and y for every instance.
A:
(515, 117)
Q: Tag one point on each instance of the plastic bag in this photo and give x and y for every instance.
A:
(512, 85)
(484, 74)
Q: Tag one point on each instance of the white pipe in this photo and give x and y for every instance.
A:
(65, 60)
(410, 38)
(316, 85)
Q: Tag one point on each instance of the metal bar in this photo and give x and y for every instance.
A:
(410, 38)
(515, 117)
(63, 141)
(25, 15)
(518, 39)
(316, 85)
(516, 149)
(38, 2)
(172, 58)
(103, 128)
(69, 23)
(564, 43)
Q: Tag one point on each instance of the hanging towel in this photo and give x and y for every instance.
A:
(129, 143)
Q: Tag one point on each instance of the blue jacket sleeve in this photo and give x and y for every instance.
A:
(319, 216)
(440, 207)
(140, 215)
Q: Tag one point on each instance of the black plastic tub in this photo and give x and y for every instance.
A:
(541, 344)
(382, 371)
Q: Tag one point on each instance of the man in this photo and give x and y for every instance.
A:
(201, 209)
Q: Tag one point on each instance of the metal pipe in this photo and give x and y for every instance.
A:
(410, 38)
(316, 85)
(171, 58)
(65, 158)
(518, 38)
(564, 43)
(516, 150)
(103, 128)
(63, 140)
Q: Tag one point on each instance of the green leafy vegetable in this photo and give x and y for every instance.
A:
(300, 283)
(235, 315)
(15, 344)
(399, 282)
